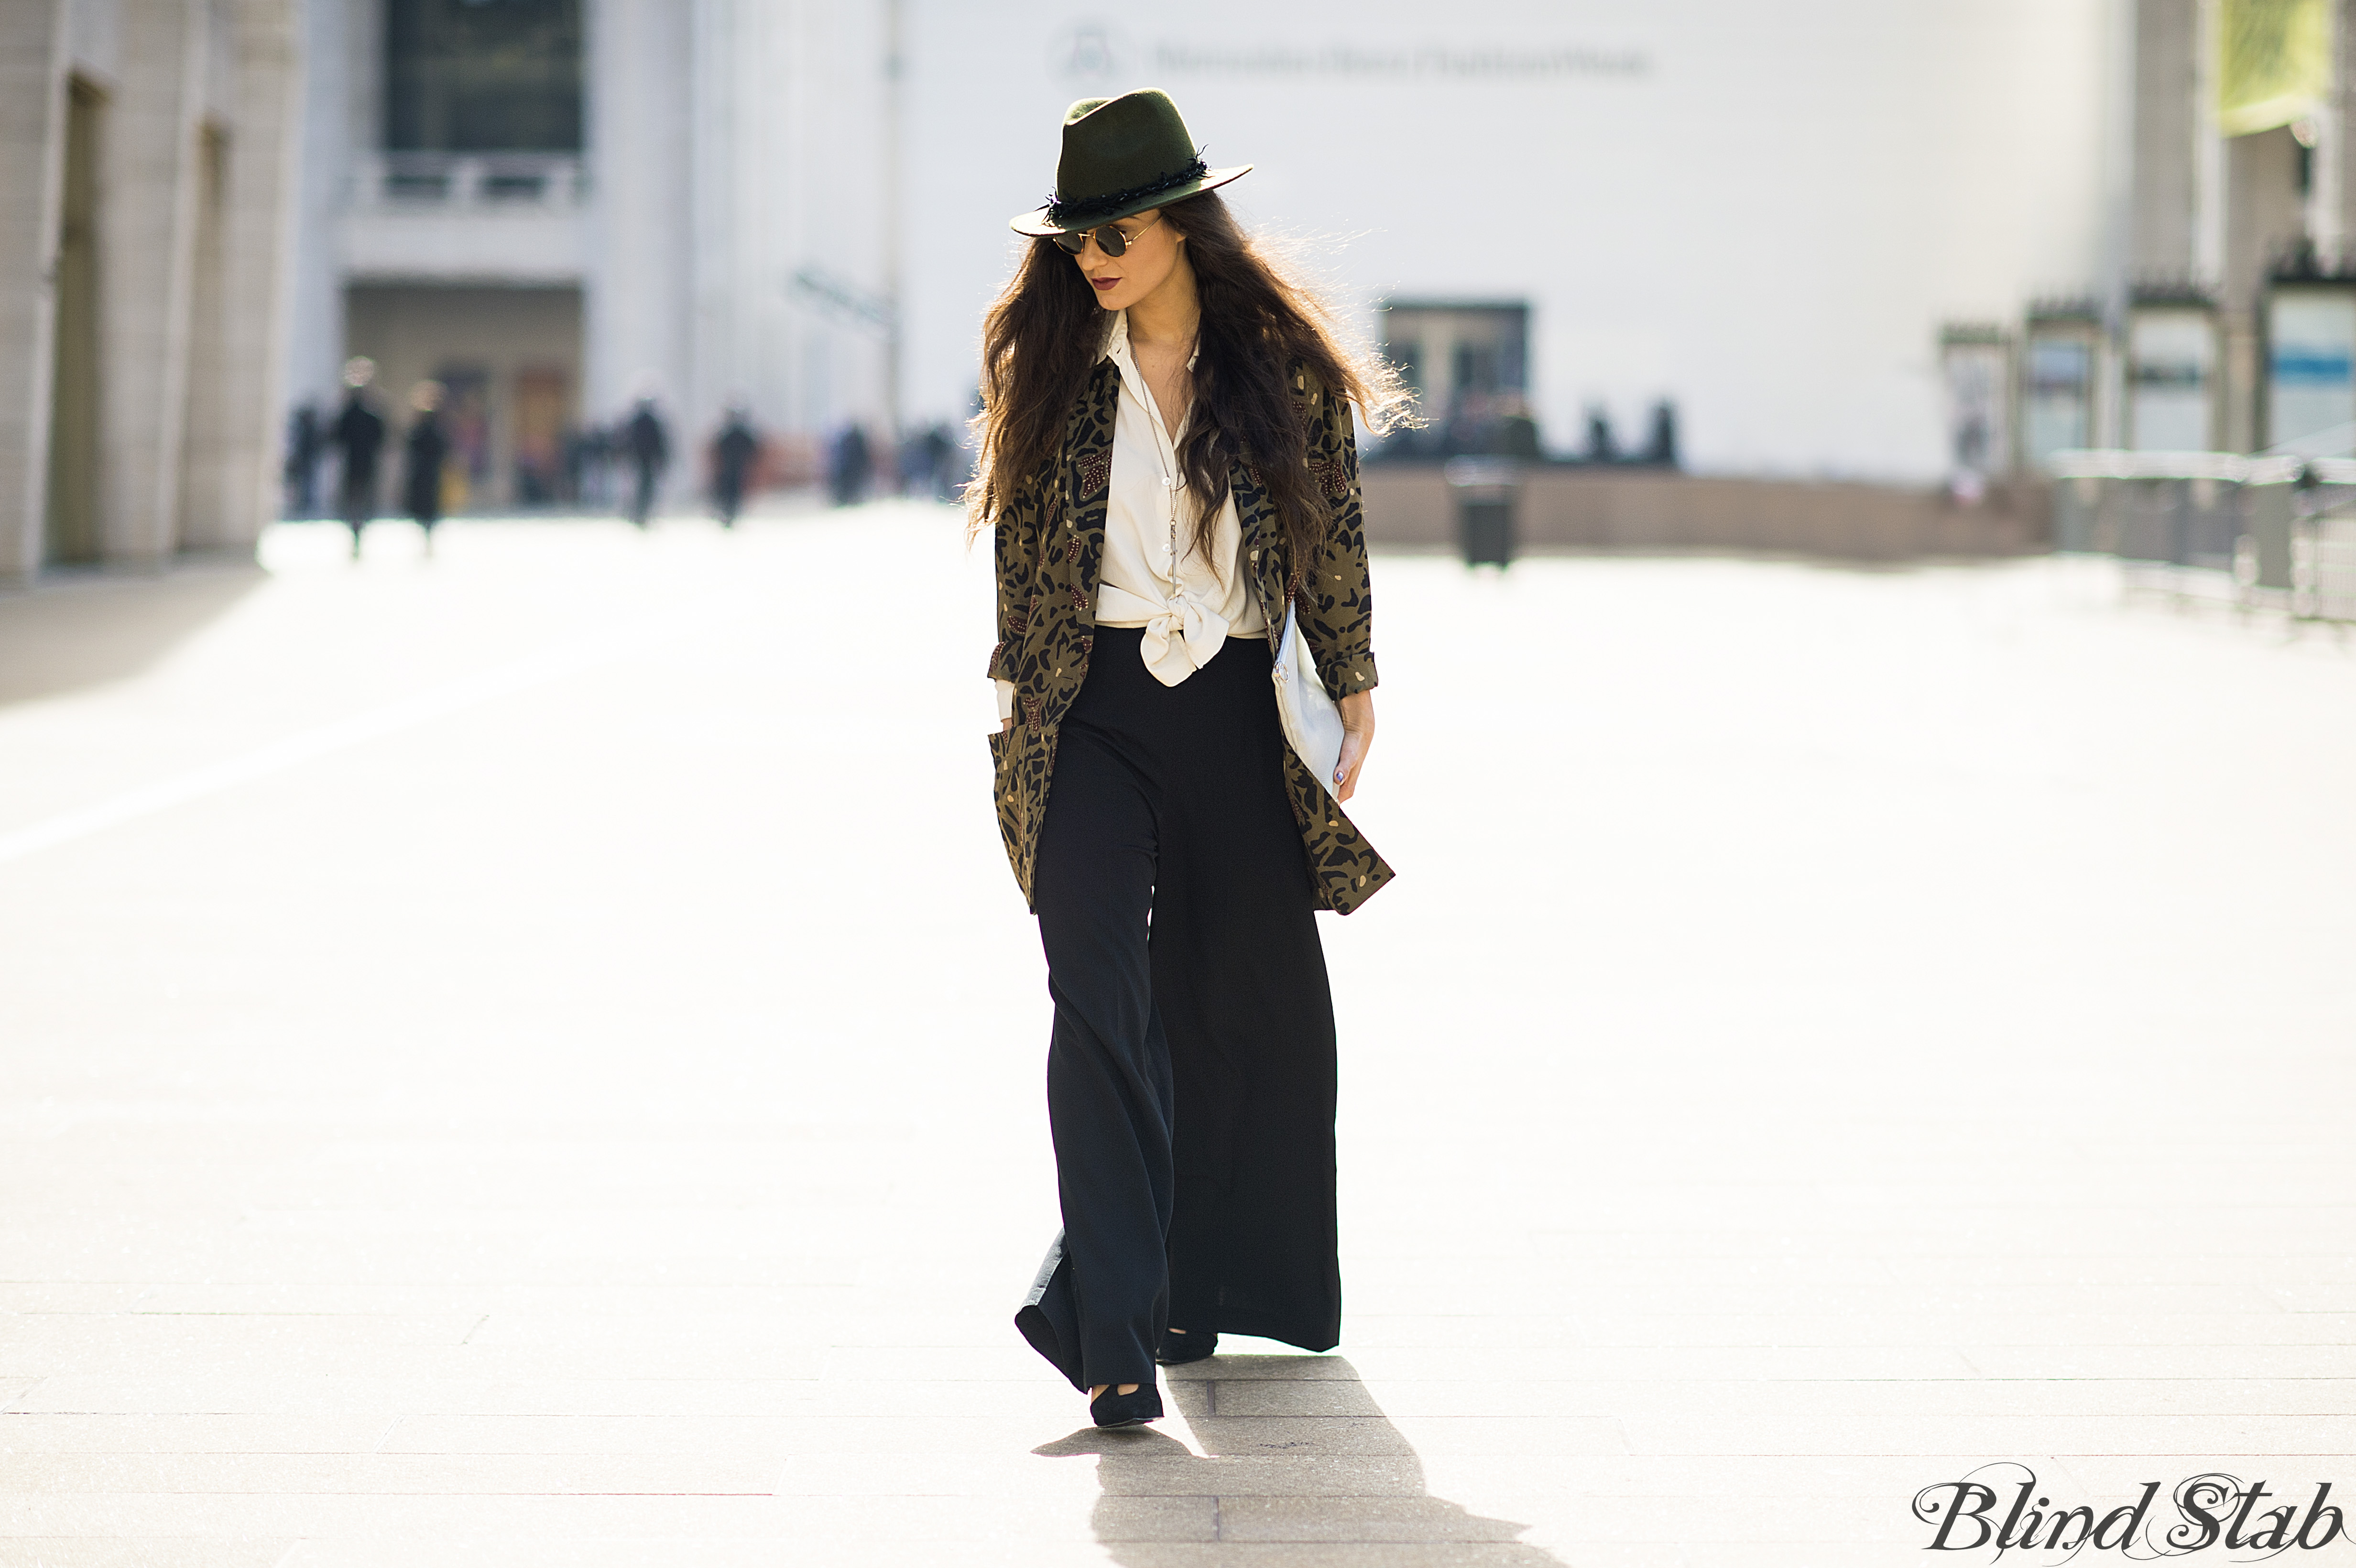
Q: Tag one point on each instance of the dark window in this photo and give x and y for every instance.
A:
(1468, 365)
(482, 76)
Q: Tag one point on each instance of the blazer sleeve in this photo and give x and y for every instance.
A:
(1337, 604)
(1011, 537)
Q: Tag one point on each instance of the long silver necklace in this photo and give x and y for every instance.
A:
(1171, 483)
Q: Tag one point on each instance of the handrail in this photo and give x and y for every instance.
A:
(2111, 462)
(412, 181)
(2282, 528)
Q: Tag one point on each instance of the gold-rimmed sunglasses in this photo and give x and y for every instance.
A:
(1109, 240)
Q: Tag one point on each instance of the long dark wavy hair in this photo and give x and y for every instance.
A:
(1044, 334)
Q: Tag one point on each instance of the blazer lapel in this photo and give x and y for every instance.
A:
(1087, 485)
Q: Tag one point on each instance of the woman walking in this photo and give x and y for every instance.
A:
(428, 450)
(1169, 469)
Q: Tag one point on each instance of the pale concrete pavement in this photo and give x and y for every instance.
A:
(535, 1057)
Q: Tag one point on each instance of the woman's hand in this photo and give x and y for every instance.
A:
(1006, 723)
(1357, 737)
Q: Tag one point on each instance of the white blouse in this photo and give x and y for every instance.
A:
(1189, 601)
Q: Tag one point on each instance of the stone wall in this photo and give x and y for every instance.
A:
(32, 154)
(189, 105)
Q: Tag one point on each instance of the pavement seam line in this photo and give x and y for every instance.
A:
(452, 697)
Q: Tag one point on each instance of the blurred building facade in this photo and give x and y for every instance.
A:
(2225, 318)
(145, 170)
(1605, 230)
(1759, 216)
(2235, 324)
(1831, 240)
(558, 207)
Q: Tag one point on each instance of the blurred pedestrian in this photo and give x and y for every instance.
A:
(1516, 433)
(732, 455)
(573, 457)
(914, 465)
(1601, 446)
(428, 448)
(1661, 446)
(596, 466)
(1191, 1077)
(303, 444)
(941, 452)
(1967, 485)
(649, 446)
(359, 436)
(850, 468)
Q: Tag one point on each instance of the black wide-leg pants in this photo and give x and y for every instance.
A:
(1191, 1071)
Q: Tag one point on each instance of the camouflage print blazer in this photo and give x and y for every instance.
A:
(1050, 544)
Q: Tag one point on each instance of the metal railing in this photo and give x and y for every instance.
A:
(479, 181)
(2281, 530)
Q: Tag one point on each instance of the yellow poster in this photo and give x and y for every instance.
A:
(2274, 62)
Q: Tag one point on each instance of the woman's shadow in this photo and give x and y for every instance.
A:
(1294, 1451)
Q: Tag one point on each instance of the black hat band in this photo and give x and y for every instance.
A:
(1082, 209)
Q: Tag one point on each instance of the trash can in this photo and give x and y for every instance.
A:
(2077, 502)
(1485, 490)
(2268, 512)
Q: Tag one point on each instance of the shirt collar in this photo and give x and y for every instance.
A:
(1116, 344)
(1116, 339)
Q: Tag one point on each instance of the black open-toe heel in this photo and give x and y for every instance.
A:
(1142, 1403)
(1180, 1346)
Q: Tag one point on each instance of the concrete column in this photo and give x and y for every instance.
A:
(32, 161)
(2116, 262)
(255, 245)
(893, 186)
(2324, 202)
(2340, 117)
(205, 423)
(639, 305)
(2264, 220)
(2160, 241)
(315, 342)
(2208, 169)
(149, 191)
(726, 38)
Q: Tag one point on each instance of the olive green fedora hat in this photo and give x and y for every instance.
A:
(1121, 156)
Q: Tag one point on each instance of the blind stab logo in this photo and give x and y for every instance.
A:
(1999, 1509)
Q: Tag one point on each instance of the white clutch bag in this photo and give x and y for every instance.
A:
(1311, 723)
